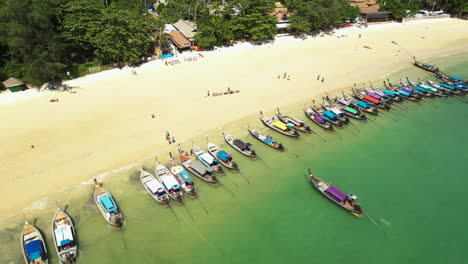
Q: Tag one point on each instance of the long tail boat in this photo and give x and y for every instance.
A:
(345, 201)
(462, 87)
(169, 182)
(33, 245)
(224, 158)
(358, 105)
(63, 232)
(240, 145)
(268, 140)
(426, 67)
(352, 112)
(182, 176)
(208, 160)
(327, 115)
(420, 89)
(336, 111)
(369, 99)
(455, 79)
(452, 89)
(197, 168)
(318, 119)
(293, 122)
(437, 92)
(107, 206)
(279, 126)
(154, 187)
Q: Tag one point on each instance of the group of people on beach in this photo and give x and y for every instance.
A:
(169, 139)
(285, 75)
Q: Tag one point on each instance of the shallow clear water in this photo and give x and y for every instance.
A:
(410, 176)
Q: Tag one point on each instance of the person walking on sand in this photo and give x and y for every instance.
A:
(152, 115)
(173, 139)
(359, 35)
(323, 79)
(318, 77)
(208, 93)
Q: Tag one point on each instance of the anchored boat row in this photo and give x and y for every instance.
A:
(172, 182)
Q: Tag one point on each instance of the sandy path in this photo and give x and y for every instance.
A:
(107, 123)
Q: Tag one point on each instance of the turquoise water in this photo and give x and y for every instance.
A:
(410, 177)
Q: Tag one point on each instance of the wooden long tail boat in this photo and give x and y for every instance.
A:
(279, 127)
(454, 79)
(197, 168)
(379, 95)
(352, 112)
(268, 140)
(421, 90)
(224, 158)
(107, 206)
(182, 176)
(437, 92)
(329, 108)
(362, 96)
(425, 66)
(358, 105)
(33, 245)
(240, 145)
(293, 122)
(327, 115)
(449, 89)
(318, 119)
(169, 182)
(154, 188)
(205, 158)
(64, 236)
(459, 86)
(345, 201)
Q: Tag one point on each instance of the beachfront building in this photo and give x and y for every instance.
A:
(15, 85)
(187, 28)
(281, 13)
(369, 11)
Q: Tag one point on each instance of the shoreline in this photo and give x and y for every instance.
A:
(109, 116)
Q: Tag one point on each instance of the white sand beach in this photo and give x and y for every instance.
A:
(107, 123)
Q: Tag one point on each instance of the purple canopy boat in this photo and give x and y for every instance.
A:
(346, 201)
(319, 120)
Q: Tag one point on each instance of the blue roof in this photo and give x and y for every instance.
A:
(362, 104)
(389, 92)
(403, 92)
(34, 249)
(186, 176)
(420, 89)
(446, 86)
(223, 155)
(330, 114)
(107, 203)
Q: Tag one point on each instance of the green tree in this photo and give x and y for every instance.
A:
(457, 6)
(125, 36)
(253, 20)
(213, 31)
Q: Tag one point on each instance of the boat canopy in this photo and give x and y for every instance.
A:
(319, 119)
(351, 110)
(198, 167)
(336, 111)
(456, 78)
(380, 93)
(388, 92)
(63, 235)
(170, 182)
(154, 186)
(372, 99)
(420, 89)
(403, 92)
(344, 102)
(332, 190)
(406, 89)
(289, 124)
(184, 174)
(362, 104)
(207, 158)
(268, 140)
(447, 86)
(329, 114)
(108, 204)
(280, 125)
(223, 155)
(428, 87)
(240, 144)
(376, 96)
(34, 249)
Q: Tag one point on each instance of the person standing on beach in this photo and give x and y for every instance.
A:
(323, 79)
(152, 115)
(359, 35)
(173, 139)
(318, 77)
